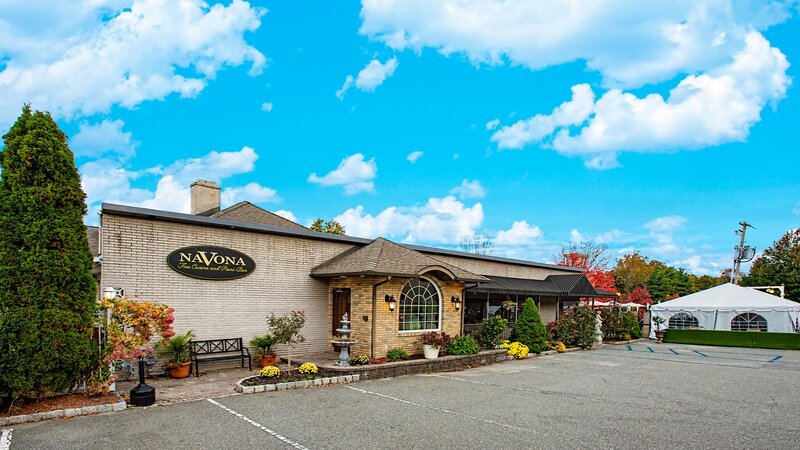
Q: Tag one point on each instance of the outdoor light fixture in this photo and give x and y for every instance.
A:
(456, 302)
(391, 301)
(109, 293)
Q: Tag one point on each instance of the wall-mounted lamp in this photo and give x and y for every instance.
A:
(456, 302)
(111, 293)
(391, 301)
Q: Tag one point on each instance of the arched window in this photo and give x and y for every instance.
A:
(749, 321)
(683, 320)
(420, 304)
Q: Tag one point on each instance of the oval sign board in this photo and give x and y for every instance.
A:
(211, 263)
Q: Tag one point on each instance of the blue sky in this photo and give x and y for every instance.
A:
(654, 128)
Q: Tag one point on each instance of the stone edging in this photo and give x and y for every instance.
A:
(63, 413)
(294, 384)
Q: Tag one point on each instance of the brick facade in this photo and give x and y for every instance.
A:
(135, 249)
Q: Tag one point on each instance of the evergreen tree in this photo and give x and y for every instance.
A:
(529, 328)
(779, 264)
(47, 291)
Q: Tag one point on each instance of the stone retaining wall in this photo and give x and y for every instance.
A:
(441, 364)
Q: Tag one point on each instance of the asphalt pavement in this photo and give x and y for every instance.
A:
(645, 395)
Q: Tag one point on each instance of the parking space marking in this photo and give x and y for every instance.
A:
(672, 360)
(257, 425)
(5, 439)
(709, 354)
(446, 411)
(556, 393)
(777, 357)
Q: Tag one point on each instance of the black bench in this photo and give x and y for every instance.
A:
(218, 350)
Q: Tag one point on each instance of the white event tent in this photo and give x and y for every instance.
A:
(727, 307)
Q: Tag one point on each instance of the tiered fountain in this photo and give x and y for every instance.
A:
(344, 342)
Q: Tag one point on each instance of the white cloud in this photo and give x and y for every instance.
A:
(469, 189)
(662, 229)
(414, 156)
(355, 174)
(252, 192)
(104, 180)
(440, 220)
(106, 137)
(576, 236)
(266, 107)
(78, 59)
(286, 214)
(629, 43)
(734, 73)
(492, 124)
(520, 233)
(370, 77)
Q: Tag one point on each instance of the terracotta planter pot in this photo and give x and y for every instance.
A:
(181, 371)
(267, 360)
(430, 351)
(660, 335)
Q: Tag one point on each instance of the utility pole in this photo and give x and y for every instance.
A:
(743, 253)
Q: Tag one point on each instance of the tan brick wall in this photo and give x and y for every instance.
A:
(134, 257)
(387, 334)
(500, 269)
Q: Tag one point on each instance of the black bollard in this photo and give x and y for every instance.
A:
(142, 395)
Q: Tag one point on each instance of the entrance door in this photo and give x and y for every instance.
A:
(341, 305)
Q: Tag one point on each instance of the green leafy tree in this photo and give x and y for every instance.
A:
(47, 291)
(779, 264)
(632, 271)
(331, 227)
(529, 328)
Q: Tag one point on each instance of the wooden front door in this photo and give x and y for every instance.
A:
(341, 305)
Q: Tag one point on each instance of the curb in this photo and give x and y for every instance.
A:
(64, 413)
(342, 379)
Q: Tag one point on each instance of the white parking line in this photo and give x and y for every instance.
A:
(408, 402)
(5, 439)
(255, 424)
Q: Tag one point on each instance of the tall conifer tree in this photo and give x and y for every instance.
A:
(47, 291)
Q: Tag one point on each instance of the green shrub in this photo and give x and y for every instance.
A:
(396, 354)
(631, 325)
(529, 329)
(490, 330)
(575, 327)
(464, 345)
(47, 291)
(782, 341)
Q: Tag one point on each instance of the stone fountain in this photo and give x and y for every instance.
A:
(344, 342)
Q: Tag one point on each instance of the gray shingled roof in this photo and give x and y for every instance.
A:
(383, 257)
(248, 212)
(568, 285)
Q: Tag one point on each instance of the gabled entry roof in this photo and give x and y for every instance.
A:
(569, 285)
(248, 212)
(385, 258)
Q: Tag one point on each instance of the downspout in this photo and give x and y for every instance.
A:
(374, 312)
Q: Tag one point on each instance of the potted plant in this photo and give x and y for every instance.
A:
(263, 345)
(178, 349)
(433, 343)
(659, 332)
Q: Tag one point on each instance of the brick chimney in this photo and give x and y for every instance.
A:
(205, 197)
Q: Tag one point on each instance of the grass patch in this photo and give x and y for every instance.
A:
(752, 339)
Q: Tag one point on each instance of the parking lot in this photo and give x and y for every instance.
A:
(644, 395)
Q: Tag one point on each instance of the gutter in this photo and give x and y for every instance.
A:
(374, 312)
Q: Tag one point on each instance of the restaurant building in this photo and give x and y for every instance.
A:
(225, 270)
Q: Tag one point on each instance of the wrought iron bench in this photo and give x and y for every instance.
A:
(218, 350)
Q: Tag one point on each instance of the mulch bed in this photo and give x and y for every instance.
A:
(66, 401)
(288, 377)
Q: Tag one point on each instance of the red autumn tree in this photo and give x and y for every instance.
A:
(590, 257)
(641, 296)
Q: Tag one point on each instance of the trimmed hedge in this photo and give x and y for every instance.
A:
(782, 341)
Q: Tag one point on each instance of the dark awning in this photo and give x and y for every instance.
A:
(568, 285)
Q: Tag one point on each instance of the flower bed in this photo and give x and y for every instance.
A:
(274, 384)
(286, 378)
(61, 406)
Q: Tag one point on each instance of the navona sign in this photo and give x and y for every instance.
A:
(211, 263)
